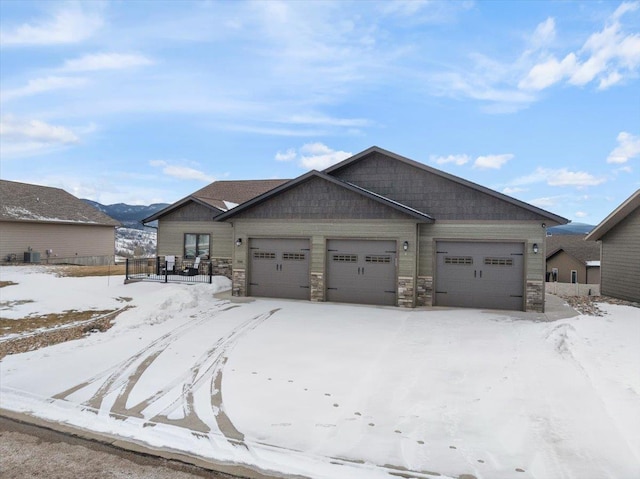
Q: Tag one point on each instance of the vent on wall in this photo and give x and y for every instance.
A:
(31, 257)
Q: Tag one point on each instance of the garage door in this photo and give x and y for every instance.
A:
(361, 271)
(279, 268)
(480, 275)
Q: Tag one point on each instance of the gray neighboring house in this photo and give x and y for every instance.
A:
(44, 224)
(379, 228)
(619, 234)
(571, 259)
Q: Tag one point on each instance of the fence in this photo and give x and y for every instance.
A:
(155, 269)
(573, 289)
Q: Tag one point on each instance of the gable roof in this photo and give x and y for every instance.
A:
(375, 149)
(44, 204)
(423, 217)
(616, 216)
(573, 245)
(221, 195)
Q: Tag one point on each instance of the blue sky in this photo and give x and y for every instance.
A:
(143, 102)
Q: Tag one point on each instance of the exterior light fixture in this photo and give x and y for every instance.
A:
(239, 242)
(405, 245)
(535, 248)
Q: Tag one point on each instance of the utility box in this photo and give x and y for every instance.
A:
(31, 257)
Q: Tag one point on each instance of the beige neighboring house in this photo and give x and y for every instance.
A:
(571, 259)
(40, 224)
(619, 234)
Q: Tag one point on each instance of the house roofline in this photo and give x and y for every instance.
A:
(615, 217)
(176, 205)
(317, 174)
(376, 149)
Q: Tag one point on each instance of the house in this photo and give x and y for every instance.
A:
(571, 259)
(619, 234)
(186, 228)
(377, 228)
(40, 223)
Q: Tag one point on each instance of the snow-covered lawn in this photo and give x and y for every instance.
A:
(338, 391)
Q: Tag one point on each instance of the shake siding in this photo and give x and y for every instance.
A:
(527, 232)
(620, 267)
(171, 237)
(66, 241)
(320, 231)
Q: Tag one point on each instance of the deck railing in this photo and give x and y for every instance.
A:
(157, 269)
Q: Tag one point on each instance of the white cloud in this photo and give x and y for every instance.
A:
(42, 85)
(288, 155)
(581, 214)
(512, 191)
(106, 61)
(313, 156)
(628, 148)
(558, 177)
(544, 33)
(608, 56)
(458, 160)
(492, 161)
(547, 201)
(70, 25)
(20, 138)
(181, 172)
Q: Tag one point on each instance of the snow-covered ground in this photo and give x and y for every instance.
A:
(337, 391)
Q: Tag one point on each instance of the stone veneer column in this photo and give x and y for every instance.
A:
(405, 291)
(424, 291)
(239, 282)
(317, 287)
(535, 296)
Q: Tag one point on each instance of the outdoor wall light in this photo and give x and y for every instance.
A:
(405, 245)
(239, 242)
(535, 248)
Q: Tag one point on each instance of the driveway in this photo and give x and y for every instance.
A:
(341, 391)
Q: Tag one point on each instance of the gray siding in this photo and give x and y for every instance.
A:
(527, 232)
(171, 237)
(620, 267)
(191, 212)
(66, 241)
(320, 199)
(437, 196)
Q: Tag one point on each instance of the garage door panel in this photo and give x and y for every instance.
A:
(361, 271)
(480, 275)
(279, 268)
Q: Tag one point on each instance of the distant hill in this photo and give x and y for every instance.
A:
(129, 215)
(570, 229)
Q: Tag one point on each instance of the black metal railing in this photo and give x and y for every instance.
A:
(158, 269)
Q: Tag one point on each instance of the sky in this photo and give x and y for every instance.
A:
(146, 102)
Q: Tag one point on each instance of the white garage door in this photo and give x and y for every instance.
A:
(480, 275)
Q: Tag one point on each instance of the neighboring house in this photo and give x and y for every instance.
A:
(377, 228)
(619, 234)
(186, 228)
(43, 224)
(571, 259)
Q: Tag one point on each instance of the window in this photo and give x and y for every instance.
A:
(293, 256)
(345, 258)
(377, 259)
(263, 255)
(498, 261)
(458, 260)
(574, 276)
(196, 244)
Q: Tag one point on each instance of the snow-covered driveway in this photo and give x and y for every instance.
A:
(338, 391)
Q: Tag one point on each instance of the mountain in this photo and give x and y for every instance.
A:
(129, 215)
(570, 229)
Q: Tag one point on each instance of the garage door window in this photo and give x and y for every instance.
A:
(293, 256)
(263, 255)
(458, 260)
(345, 258)
(378, 259)
(498, 261)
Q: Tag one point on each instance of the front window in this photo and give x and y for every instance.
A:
(196, 244)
